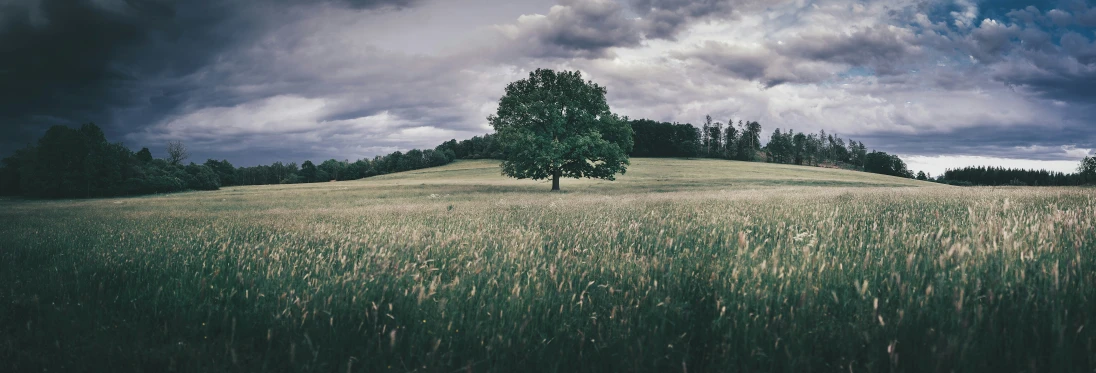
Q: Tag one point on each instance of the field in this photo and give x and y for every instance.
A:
(678, 266)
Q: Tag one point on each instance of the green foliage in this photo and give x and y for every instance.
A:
(554, 125)
(434, 158)
(226, 172)
(276, 173)
(662, 139)
(750, 142)
(981, 175)
(813, 149)
(112, 170)
(158, 176)
(730, 141)
(780, 147)
(478, 147)
(359, 169)
(1087, 170)
(335, 170)
(144, 155)
(10, 178)
(68, 163)
(332, 169)
(80, 163)
(201, 177)
(886, 164)
(309, 173)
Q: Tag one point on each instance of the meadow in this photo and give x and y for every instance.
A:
(679, 265)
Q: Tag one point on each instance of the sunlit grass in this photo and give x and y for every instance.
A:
(680, 265)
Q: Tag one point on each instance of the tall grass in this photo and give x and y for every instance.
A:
(434, 278)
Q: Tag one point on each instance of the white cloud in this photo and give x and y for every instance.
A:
(274, 115)
(965, 18)
(350, 81)
(936, 165)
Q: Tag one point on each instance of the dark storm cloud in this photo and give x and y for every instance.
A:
(664, 19)
(286, 80)
(315, 86)
(575, 28)
(74, 61)
(812, 57)
(881, 48)
(990, 141)
(61, 58)
(376, 4)
(760, 64)
(589, 28)
(740, 62)
(1050, 53)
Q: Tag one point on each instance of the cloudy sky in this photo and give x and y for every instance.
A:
(943, 83)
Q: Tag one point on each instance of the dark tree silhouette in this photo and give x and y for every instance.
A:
(991, 176)
(144, 155)
(176, 152)
(309, 172)
(886, 164)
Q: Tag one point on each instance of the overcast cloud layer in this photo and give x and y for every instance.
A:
(942, 82)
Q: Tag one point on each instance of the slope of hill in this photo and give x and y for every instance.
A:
(478, 179)
(662, 174)
(473, 180)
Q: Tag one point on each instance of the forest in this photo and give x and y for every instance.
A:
(743, 142)
(80, 162)
(994, 176)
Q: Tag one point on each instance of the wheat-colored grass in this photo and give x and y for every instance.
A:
(699, 265)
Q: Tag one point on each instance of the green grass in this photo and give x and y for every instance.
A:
(696, 265)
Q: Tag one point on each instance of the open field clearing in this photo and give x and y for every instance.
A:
(679, 265)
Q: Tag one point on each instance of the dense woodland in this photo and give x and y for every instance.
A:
(993, 176)
(69, 162)
(743, 142)
(81, 163)
(478, 147)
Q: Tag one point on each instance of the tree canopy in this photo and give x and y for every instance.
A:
(886, 164)
(1087, 169)
(555, 124)
(81, 163)
(982, 175)
(661, 139)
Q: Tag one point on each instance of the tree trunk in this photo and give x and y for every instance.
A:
(555, 180)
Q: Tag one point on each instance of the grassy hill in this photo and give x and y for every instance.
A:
(470, 179)
(679, 265)
(658, 174)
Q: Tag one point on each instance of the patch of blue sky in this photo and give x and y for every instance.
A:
(999, 9)
(856, 72)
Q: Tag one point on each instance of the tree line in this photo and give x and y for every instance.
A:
(332, 169)
(741, 142)
(478, 147)
(998, 176)
(80, 163)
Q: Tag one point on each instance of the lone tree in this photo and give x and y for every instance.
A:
(554, 124)
(176, 152)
